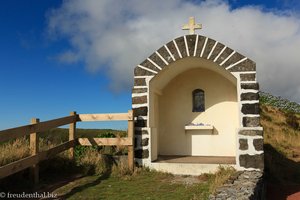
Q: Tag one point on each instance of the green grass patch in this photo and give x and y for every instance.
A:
(142, 185)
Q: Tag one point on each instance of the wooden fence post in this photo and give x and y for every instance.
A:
(131, 136)
(72, 132)
(34, 150)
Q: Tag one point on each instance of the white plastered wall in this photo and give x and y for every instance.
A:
(171, 96)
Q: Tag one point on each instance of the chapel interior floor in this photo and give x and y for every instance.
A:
(196, 159)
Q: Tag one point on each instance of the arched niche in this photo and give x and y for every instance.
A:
(170, 110)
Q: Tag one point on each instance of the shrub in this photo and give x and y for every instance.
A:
(94, 163)
(279, 102)
(81, 150)
(107, 135)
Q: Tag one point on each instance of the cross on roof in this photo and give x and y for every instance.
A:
(191, 26)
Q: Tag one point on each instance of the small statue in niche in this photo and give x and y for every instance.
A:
(198, 101)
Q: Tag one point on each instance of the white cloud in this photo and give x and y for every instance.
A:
(114, 36)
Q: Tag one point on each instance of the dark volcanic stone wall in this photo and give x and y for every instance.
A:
(248, 185)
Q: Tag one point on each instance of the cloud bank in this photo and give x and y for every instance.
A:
(112, 37)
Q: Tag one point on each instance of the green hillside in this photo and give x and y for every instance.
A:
(280, 119)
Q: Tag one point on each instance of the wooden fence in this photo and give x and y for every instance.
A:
(36, 126)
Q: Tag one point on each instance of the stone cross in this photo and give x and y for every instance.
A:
(191, 26)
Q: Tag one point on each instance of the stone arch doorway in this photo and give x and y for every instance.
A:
(185, 52)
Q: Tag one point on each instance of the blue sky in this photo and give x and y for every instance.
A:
(37, 79)
(33, 83)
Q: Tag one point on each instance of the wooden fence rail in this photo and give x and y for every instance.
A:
(36, 126)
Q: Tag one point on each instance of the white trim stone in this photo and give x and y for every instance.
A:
(196, 45)
(212, 50)
(143, 76)
(204, 46)
(248, 81)
(161, 58)
(249, 102)
(141, 118)
(140, 87)
(248, 90)
(147, 69)
(139, 105)
(216, 58)
(139, 94)
(186, 46)
(258, 128)
(247, 72)
(156, 65)
(251, 115)
(168, 50)
(238, 62)
(179, 53)
(228, 57)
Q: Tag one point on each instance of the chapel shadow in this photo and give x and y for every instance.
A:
(51, 172)
(282, 175)
(110, 162)
(81, 188)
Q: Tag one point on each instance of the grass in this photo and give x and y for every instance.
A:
(278, 132)
(143, 184)
(14, 150)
